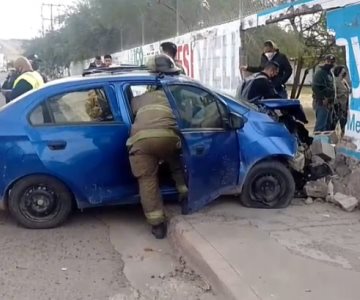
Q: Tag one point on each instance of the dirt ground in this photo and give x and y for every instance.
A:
(306, 101)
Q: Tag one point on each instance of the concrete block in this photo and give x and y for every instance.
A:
(316, 189)
(316, 161)
(348, 203)
(328, 137)
(325, 151)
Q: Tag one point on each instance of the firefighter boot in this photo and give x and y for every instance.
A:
(159, 231)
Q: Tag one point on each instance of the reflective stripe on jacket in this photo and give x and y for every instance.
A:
(153, 117)
(33, 78)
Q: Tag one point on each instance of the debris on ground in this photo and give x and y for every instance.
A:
(317, 161)
(309, 201)
(323, 150)
(343, 186)
(348, 203)
(316, 189)
(183, 271)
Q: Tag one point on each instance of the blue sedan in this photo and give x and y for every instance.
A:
(64, 146)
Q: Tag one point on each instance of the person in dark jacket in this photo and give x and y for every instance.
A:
(97, 63)
(8, 84)
(272, 53)
(323, 88)
(169, 48)
(259, 86)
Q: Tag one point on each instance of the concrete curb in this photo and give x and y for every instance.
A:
(205, 259)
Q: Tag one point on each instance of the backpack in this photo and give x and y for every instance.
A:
(243, 89)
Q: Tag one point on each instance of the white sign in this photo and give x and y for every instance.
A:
(209, 55)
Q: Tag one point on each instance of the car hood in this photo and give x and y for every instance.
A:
(280, 103)
(293, 107)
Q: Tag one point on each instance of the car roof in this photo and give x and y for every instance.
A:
(121, 77)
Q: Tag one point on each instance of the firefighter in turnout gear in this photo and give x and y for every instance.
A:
(153, 139)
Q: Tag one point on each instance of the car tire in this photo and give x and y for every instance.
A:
(269, 184)
(40, 202)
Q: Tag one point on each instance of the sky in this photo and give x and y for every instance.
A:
(21, 19)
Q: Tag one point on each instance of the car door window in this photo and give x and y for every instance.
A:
(132, 94)
(82, 106)
(198, 108)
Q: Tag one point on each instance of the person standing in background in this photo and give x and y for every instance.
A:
(324, 94)
(342, 92)
(170, 49)
(97, 63)
(108, 60)
(272, 53)
(35, 61)
(8, 84)
(28, 78)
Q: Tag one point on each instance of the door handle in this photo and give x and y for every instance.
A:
(199, 150)
(56, 145)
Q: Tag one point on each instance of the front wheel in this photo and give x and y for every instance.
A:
(269, 184)
(40, 202)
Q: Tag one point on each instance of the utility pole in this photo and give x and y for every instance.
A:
(177, 18)
(142, 29)
(48, 15)
(242, 50)
(121, 38)
(51, 17)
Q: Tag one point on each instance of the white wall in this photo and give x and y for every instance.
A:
(210, 55)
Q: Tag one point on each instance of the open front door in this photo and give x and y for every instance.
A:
(210, 151)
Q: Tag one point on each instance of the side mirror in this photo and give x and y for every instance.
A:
(236, 121)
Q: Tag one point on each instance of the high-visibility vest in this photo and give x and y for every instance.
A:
(33, 78)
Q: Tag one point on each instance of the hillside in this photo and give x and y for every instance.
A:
(11, 48)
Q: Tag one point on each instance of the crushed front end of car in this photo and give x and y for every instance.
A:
(291, 114)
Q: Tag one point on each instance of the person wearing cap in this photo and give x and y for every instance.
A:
(324, 94)
(272, 53)
(154, 138)
(170, 49)
(27, 80)
(259, 86)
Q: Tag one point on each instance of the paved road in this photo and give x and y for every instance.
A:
(98, 254)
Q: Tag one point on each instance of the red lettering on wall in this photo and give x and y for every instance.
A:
(179, 54)
(186, 59)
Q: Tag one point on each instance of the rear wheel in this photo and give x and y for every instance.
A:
(40, 202)
(269, 184)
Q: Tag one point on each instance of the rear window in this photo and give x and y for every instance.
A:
(85, 106)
